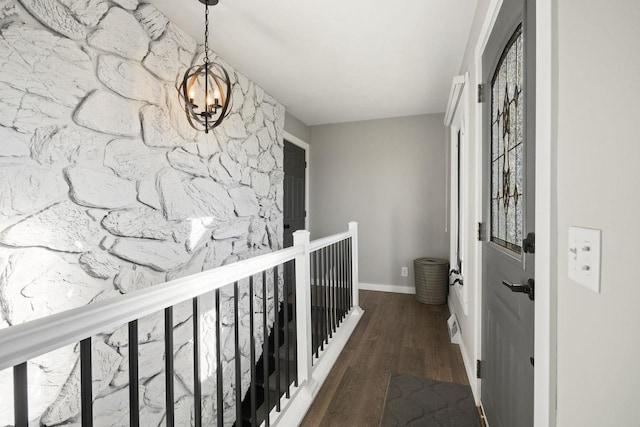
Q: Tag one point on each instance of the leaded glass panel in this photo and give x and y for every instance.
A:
(507, 147)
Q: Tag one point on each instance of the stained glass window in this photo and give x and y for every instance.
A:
(507, 147)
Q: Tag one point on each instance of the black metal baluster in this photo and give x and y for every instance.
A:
(342, 279)
(323, 304)
(336, 251)
(238, 361)
(286, 335)
(339, 279)
(336, 267)
(276, 345)
(319, 325)
(332, 291)
(325, 284)
(219, 402)
(334, 298)
(86, 390)
(314, 317)
(320, 281)
(20, 395)
(252, 350)
(343, 288)
(326, 306)
(350, 271)
(316, 311)
(334, 247)
(346, 273)
(168, 363)
(265, 349)
(134, 397)
(197, 385)
(325, 274)
(336, 273)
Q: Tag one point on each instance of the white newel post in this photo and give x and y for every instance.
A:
(303, 309)
(353, 228)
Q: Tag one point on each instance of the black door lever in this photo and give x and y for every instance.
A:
(528, 289)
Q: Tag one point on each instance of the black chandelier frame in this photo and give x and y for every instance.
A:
(215, 77)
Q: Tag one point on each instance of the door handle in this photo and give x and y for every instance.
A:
(286, 226)
(528, 289)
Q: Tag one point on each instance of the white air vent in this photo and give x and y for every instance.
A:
(454, 329)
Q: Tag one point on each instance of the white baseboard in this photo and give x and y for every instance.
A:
(469, 365)
(411, 290)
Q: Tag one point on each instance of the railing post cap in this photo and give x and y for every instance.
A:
(353, 225)
(301, 237)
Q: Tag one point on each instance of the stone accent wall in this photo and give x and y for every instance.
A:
(105, 189)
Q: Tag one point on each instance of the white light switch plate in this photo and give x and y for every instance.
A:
(584, 257)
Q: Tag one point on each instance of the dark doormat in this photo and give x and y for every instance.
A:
(413, 401)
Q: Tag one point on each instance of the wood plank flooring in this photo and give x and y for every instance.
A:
(396, 334)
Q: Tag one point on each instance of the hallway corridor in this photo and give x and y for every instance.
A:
(396, 334)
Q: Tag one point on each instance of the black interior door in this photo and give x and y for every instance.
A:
(294, 201)
(294, 191)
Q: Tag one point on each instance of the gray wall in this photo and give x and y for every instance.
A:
(598, 66)
(389, 175)
(296, 127)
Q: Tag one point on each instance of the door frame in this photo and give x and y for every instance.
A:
(457, 120)
(545, 379)
(305, 146)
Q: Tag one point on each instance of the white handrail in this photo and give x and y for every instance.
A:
(328, 241)
(28, 340)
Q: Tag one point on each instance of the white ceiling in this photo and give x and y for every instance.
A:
(335, 60)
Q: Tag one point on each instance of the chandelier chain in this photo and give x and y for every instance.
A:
(206, 35)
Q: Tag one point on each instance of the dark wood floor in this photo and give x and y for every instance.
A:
(396, 334)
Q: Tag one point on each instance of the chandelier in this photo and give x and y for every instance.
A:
(206, 89)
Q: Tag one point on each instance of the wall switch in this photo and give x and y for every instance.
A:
(584, 257)
(404, 271)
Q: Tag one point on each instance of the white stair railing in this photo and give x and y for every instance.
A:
(19, 344)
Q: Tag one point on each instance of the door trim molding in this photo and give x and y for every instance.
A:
(458, 121)
(483, 38)
(545, 378)
(305, 146)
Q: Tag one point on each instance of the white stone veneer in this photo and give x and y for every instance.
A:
(105, 189)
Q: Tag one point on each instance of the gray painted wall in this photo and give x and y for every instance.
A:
(598, 65)
(389, 175)
(296, 127)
